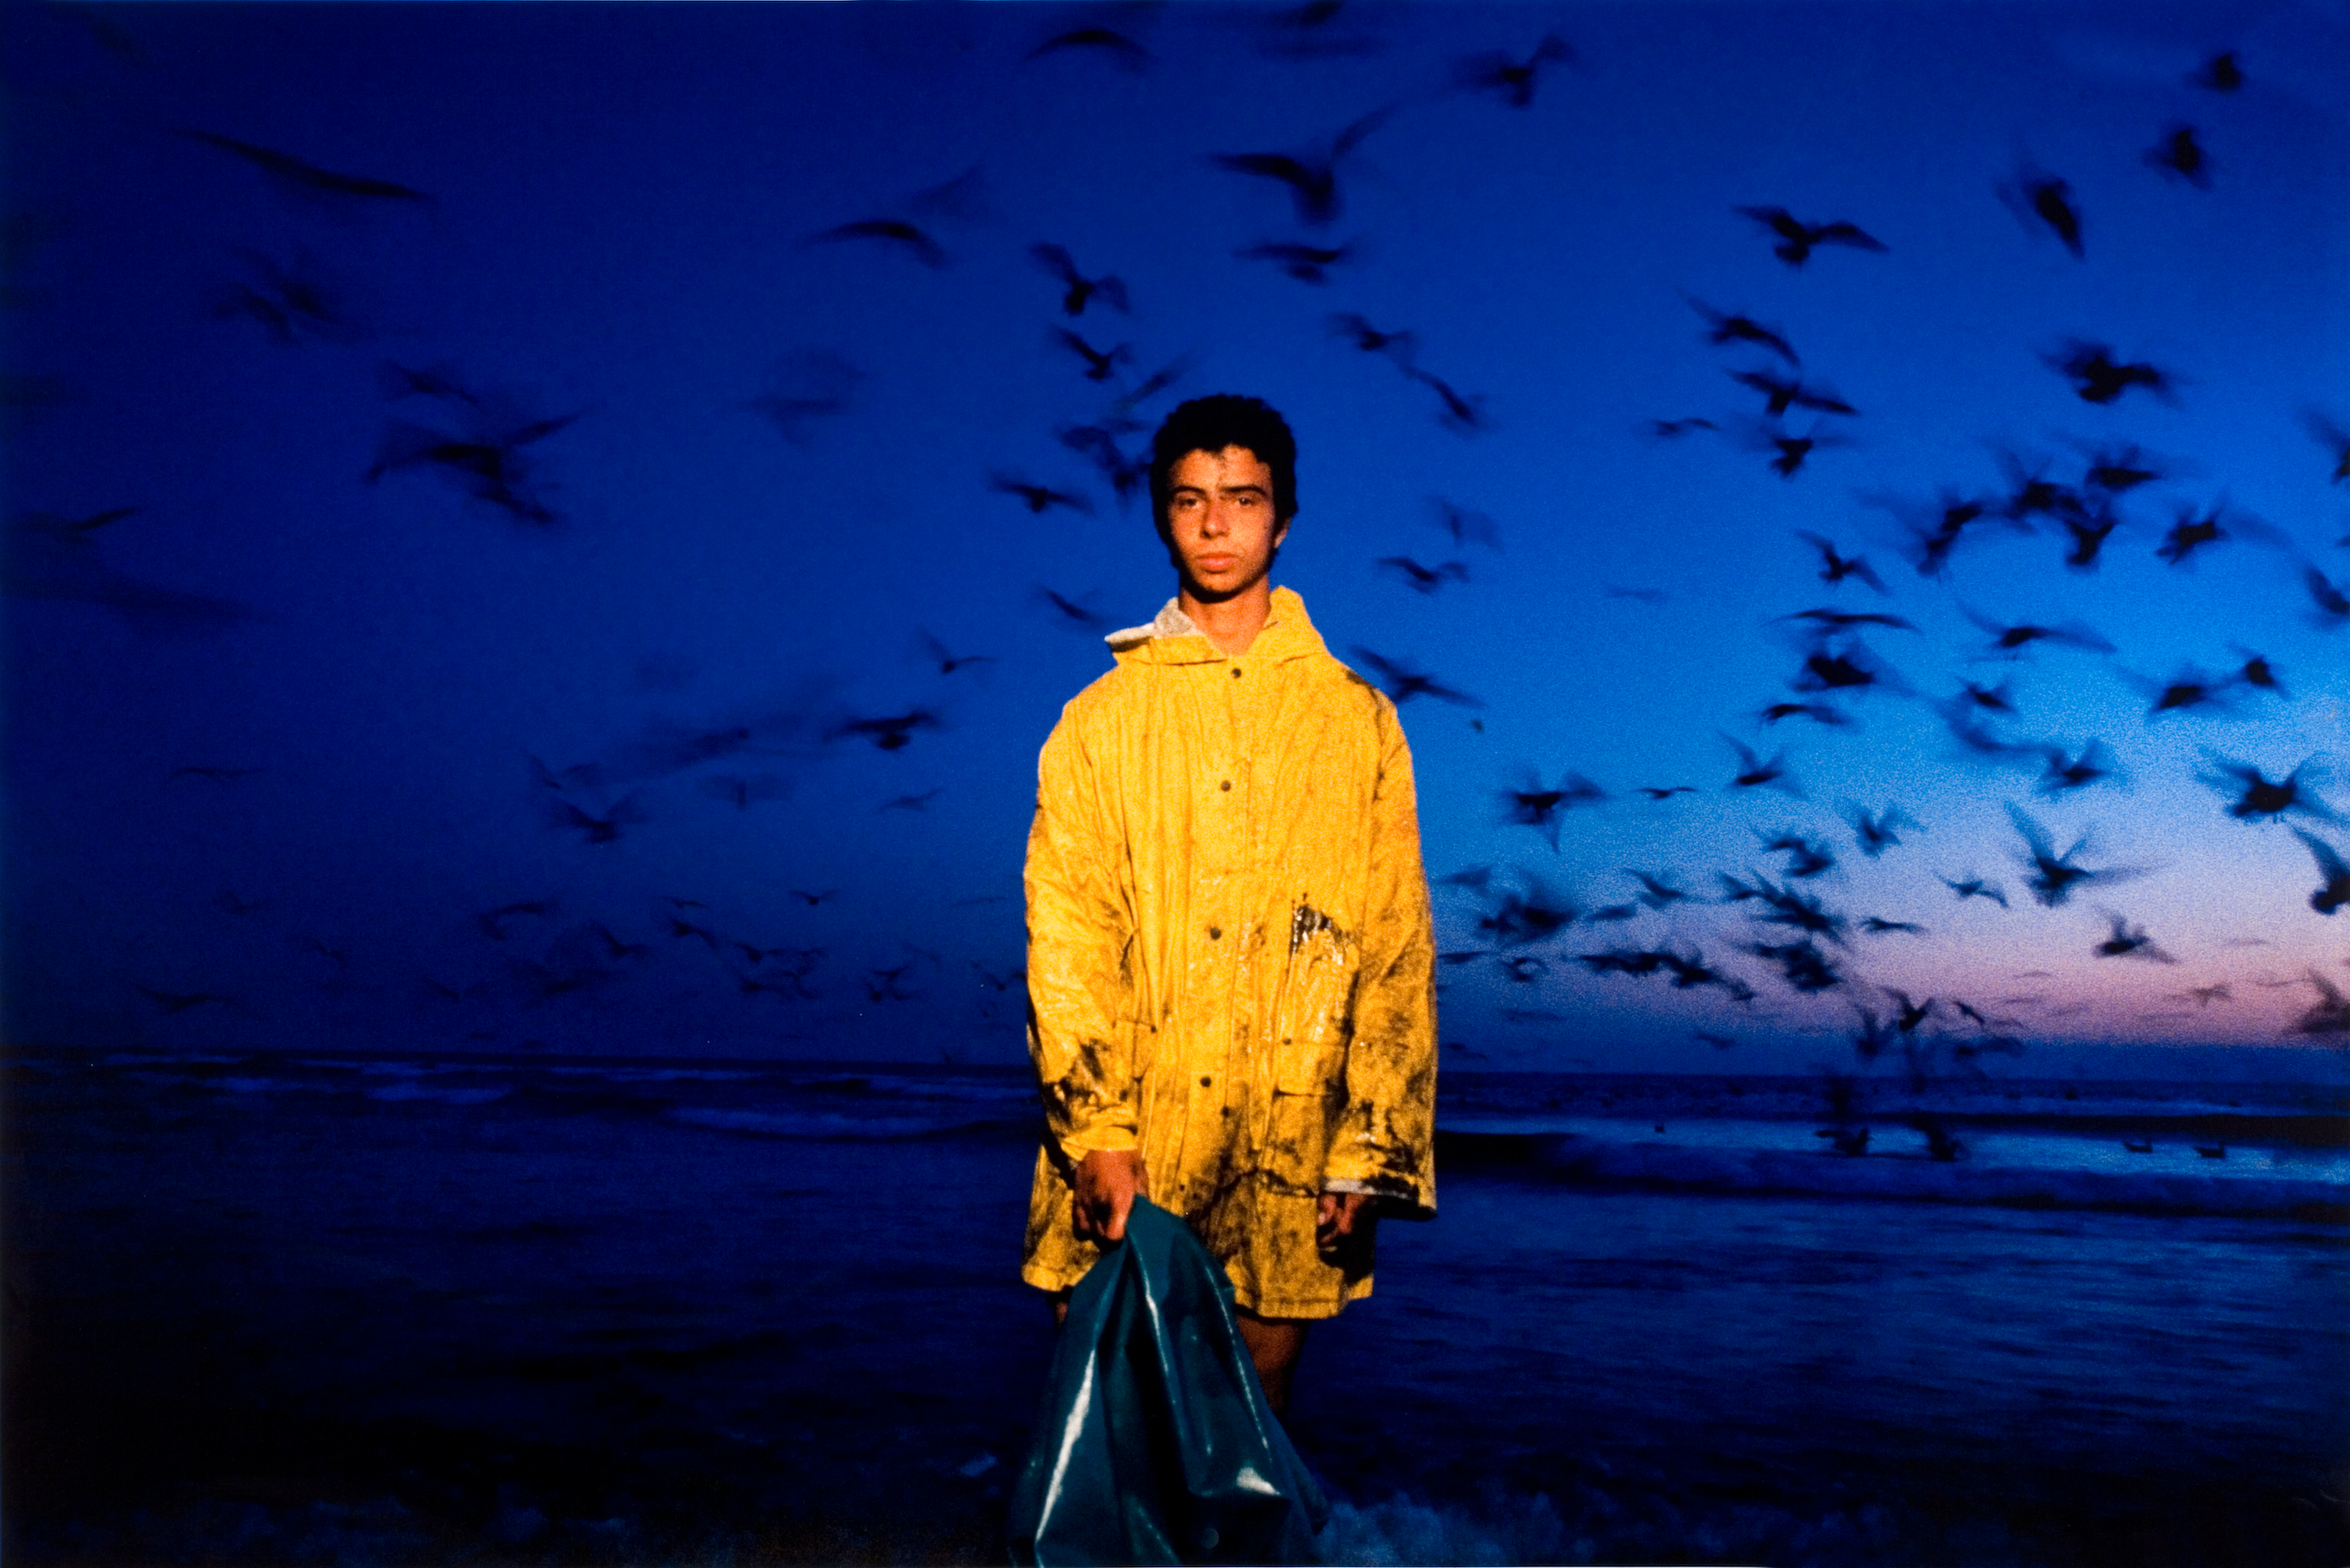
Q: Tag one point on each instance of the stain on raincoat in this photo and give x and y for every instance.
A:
(1230, 966)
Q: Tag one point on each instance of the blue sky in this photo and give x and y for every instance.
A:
(764, 474)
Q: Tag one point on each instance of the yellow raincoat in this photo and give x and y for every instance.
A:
(1229, 960)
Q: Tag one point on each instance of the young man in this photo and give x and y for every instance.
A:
(1230, 969)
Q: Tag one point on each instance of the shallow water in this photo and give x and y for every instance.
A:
(344, 1310)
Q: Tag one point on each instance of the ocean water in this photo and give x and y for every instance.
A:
(336, 1309)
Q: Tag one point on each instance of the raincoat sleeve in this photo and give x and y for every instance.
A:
(1386, 1139)
(1080, 931)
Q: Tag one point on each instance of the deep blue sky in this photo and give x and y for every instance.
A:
(620, 222)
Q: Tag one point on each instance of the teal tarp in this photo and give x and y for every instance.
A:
(1154, 1443)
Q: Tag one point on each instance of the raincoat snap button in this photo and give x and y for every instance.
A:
(1236, 672)
(1216, 933)
(1226, 785)
(1207, 1082)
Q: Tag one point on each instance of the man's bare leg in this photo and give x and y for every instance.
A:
(1273, 1345)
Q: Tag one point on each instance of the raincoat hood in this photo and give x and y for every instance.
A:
(1172, 638)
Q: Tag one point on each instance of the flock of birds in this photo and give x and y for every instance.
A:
(491, 451)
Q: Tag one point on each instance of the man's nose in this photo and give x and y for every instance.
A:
(1218, 520)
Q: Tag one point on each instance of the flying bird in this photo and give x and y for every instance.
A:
(2331, 866)
(2130, 941)
(2098, 378)
(2221, 73)
(1780, 394)
(1106, 42)
(1100, 363)
(1425, 579)
(2179, 156)
(1311, 176)
(907, 236)
(1540, 806)
(1874, 832)
(1752, 772)
(1077, 290)
(1077, 617)
(1038, 498)
(1305, 263)
(1402, 683)
(892, 732)
(2065, 773)
(1975, 888)
(2039, 197)
(1465, 526)
(1836, 567)
(1797, 240)
(2010, 640)
(1515, 80)
(1400, 345)
(2257, 796)
(2333, 601)
(1725, 328)
(2053, 875)
(308, 178)
(949, 663)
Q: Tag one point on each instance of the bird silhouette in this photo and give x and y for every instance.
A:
(2331, 600)
(2065, 773)
(1400, 345)
(2334, 438)
(1513, 79)
(1038, 498)
(948, 663)
(2039, 197)
(1834, 567)
(2012, 639)
(1402, 683)
(906, 237)
(1311, 176)
(1077, 290)
(304, 178)
(1425, 579)
(2055, 877)
(1100, 363)
(2257, 796)
(2335, 890)
(1076, 616)
(1465, 526)
(1673, 430)
(1753, 773)
(1542, 807)
(1975, 888)
(892, 732)
(1780, 394)
(2221, 73)
(1305, 263)
(2179, 156)
(2130, 941)
(1106, 42)
(1876, 831)
(1726, 327)
(2098, 377)
(1797, 240)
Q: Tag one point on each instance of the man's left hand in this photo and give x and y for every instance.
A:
(1344, 1224)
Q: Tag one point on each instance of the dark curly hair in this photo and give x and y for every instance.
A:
(1211, 424)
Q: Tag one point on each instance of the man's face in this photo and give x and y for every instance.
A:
(1220, 521)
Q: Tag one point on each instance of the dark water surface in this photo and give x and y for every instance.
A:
(339, 1310)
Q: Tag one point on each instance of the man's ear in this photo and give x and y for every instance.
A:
(1280, 534)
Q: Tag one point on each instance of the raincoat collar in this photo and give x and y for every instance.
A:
(1170, 637)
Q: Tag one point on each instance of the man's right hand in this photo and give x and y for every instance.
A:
(1109, 1182)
